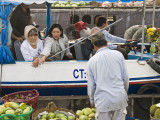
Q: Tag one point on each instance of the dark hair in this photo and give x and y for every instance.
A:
(100, 43)
(100, 21)
(55, 26)
(99, 39)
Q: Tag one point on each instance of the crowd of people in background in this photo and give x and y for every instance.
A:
(34, 49)
(99, 50)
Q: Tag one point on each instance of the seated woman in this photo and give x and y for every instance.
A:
(55, 42)
(32, 46)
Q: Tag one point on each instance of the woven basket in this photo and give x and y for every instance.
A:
(32, 102)
(51, 107)
(26, 116)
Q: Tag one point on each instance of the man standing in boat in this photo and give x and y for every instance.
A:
(107, 81)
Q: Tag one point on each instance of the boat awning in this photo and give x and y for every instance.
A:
(16, 2)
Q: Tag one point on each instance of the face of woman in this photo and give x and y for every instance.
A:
(56, 33)
(33, 38)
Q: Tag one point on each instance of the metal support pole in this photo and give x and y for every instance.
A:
(132, 107)
(153, 16)
(143, 23)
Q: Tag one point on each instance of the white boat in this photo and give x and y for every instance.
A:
(67, 77)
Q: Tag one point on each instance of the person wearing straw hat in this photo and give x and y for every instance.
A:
(108, 81)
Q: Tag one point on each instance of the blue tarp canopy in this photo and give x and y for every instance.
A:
(15, 2)
(6, 7)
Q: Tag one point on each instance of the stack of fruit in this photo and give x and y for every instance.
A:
(19, 98)
(57, 115)
(86, 114)
(13, 109)
(155, 111)
(69, 4)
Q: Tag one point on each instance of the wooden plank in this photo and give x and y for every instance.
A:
(86, 97)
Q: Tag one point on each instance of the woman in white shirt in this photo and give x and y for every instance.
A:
(32, 46)
(54, 43)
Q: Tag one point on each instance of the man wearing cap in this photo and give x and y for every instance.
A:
(107, 81)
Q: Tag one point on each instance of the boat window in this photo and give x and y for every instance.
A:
(74, 19)
(87, 19)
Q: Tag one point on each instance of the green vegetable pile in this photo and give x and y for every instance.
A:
(69, 4)
(86, 114)
(57, 115)
(12, 109)
(155, 110)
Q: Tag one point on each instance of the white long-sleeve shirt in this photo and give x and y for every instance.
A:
(28, 52)
(107, 80)
(114, 39)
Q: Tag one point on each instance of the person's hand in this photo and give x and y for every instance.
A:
(36, 62)
(129, 40)
(23, 37)
(2, 27)
(20, 39)
(42, 60)
(119, 46)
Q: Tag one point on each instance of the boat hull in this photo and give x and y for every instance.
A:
(66, 78)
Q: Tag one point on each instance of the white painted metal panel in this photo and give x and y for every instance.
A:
(49, 71)
(64, 71)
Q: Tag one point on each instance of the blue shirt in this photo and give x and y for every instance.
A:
(9, 32)
(107, 80)
(111, 38)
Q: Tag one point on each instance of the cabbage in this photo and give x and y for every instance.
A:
(15, 106)
(83, 117)
(68, 5)
(51, 115)
(92, 115)
(79, 113)
(70, 117)
(26, 111)
(23, 106)
(63, 5)
(82, 3)
(10, 112)
(57, 5)
(74, 5)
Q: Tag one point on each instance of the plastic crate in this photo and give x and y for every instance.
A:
(17, 117)
(31, 102)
